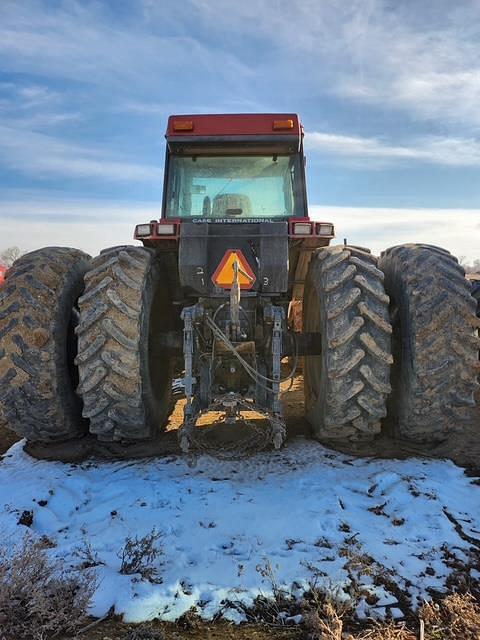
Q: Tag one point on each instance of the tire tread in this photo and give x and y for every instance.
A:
(34, 399)
(355, 384)
(110, 344)
(438, 377)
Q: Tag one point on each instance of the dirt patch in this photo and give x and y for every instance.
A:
(197, 630)
(463, 450)
(455, 616)
(7, 438)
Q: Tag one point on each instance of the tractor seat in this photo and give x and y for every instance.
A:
(231, 204)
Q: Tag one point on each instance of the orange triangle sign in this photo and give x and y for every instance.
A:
(224, 274)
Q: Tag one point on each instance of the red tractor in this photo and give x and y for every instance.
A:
(3, 271)
(231, 280)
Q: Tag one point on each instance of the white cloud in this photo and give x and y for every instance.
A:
(34, 96)
(144, 108)
(421, 58)
(417, 57)
(42, 120)
(457, 152)
(457, 230)
(41, 155)
(91, 237)
(34, 107)
(90, 225)
(405, 59)
(87, 42)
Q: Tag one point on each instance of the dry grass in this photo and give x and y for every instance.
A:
(144, 633)
(456, 617)
(39, 597)
(326, 623)
(389, 631)
(138, 556)
(328, 616)
(323, 623)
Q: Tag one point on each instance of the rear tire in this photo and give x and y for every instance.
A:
(346, 387)
(476, 294)
(125, 377)
(37, 345)
(434, 342)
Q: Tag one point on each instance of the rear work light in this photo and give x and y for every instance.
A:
(302, 228)
(283, 124)
(143, 230)
(165, 229)
(325, 229)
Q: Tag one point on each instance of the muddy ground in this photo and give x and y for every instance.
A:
(464, 451)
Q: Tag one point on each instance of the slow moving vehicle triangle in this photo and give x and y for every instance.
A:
(224, 274)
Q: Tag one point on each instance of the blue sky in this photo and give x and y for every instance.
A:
(388, 90)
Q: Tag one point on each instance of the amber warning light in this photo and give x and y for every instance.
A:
(183, 125)
(283, 124)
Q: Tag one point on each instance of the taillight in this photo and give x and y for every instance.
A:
(143, 230)
(166, 229)
(302, 228)
(155, 230)
(325, 229)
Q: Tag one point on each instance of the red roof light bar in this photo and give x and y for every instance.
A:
(239, 124)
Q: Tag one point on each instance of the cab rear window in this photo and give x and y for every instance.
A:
(234, 186)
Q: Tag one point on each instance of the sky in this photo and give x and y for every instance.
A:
(388, 92)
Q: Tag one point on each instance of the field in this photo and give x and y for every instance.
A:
(252, 540)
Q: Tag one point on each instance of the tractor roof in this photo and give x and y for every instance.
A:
(237, 124)
(272, 129)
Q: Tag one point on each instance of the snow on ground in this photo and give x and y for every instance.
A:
(222, 521)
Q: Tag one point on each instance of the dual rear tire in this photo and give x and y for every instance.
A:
(411, 314)
(79, 345)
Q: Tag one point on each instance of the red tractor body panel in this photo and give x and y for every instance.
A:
(3, 271)
(239, 124)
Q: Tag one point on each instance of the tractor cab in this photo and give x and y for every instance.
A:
(234, 167)
(227, 170)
